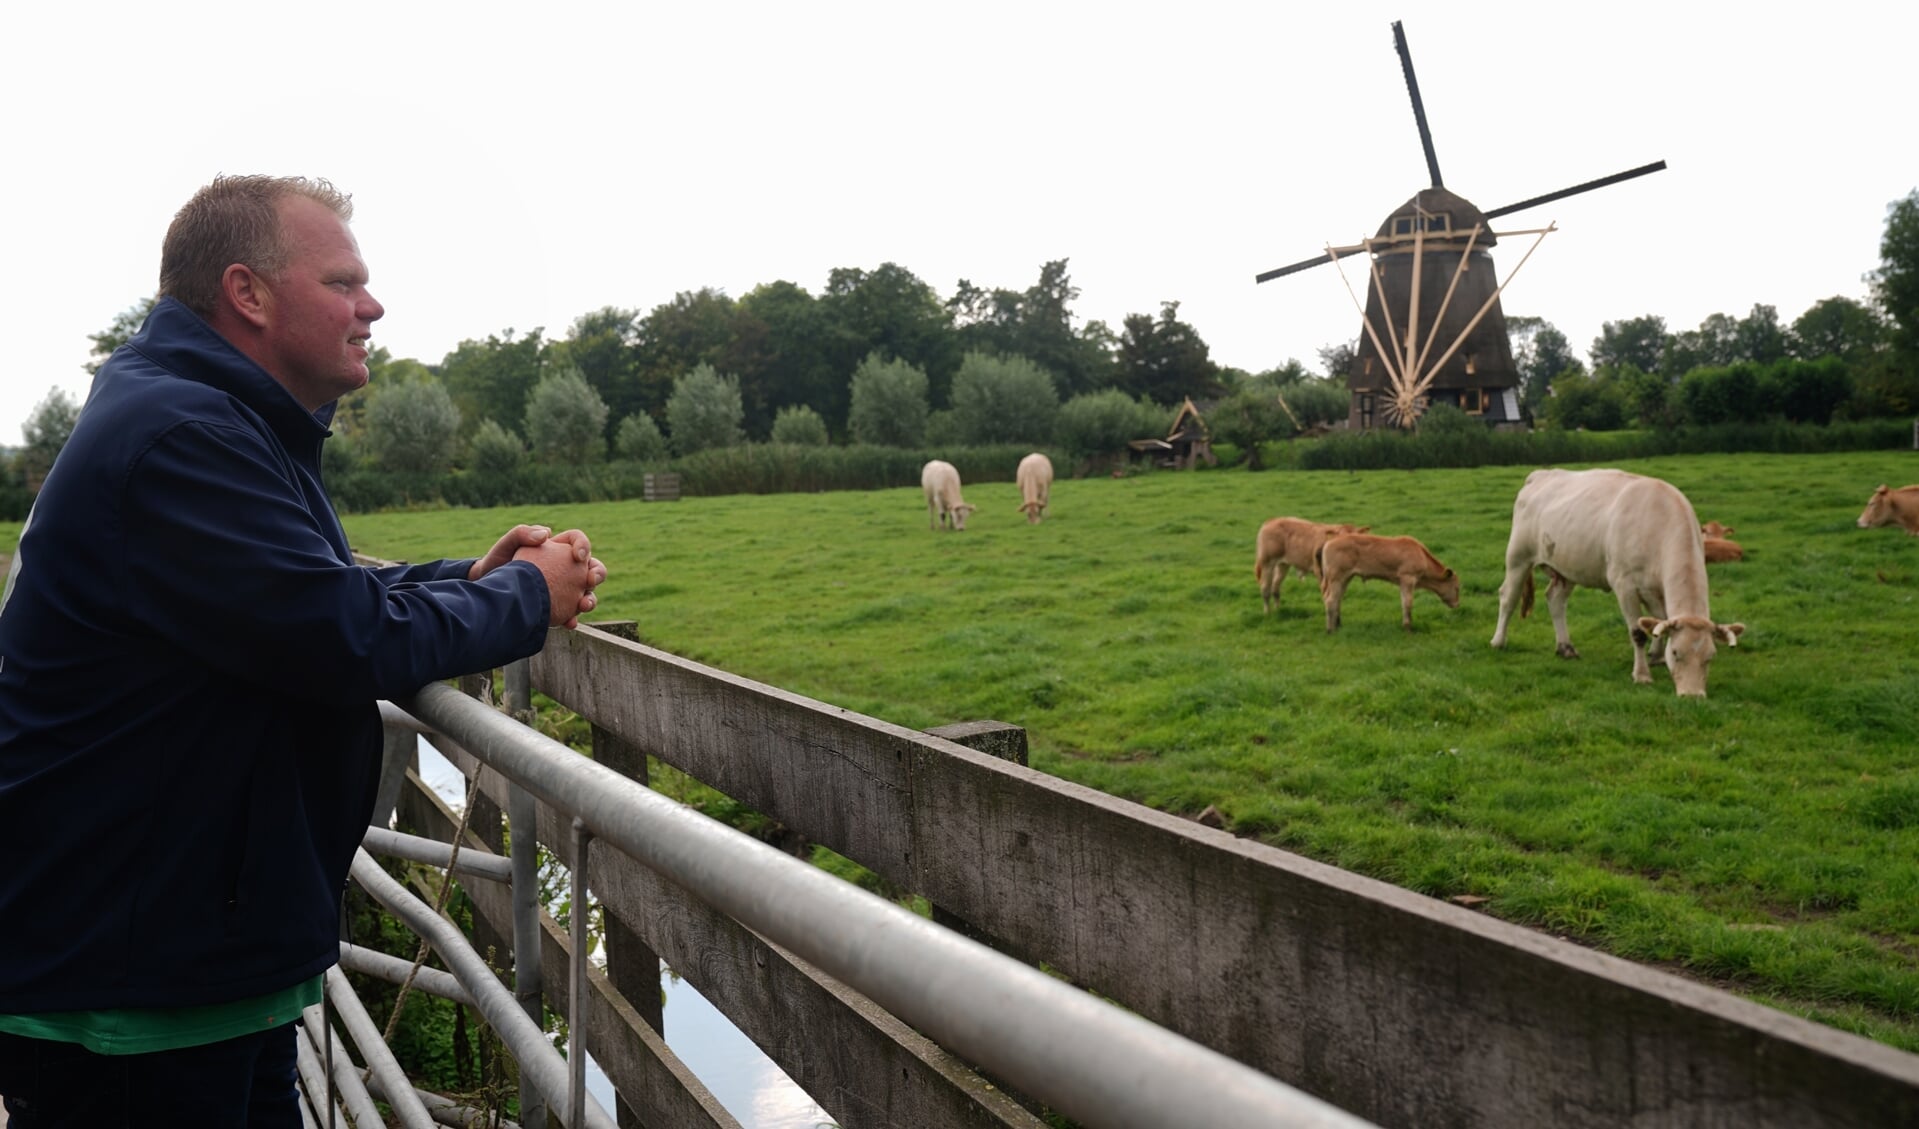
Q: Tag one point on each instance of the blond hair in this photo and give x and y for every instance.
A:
(235, 219)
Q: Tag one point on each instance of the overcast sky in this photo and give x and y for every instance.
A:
(519, 165)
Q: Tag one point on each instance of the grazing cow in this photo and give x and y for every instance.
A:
(1402, 560)
(1634, 535)
(942, 485)
(1719, 551)
(1713, 529)
(1035, 477)
(1290, 542)
(1893, 507)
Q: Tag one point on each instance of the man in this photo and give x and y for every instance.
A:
(189, 665)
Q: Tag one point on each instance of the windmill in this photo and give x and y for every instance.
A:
(1445, 339)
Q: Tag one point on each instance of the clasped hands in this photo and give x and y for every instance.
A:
(565, 559)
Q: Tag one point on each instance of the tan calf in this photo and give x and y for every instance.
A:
(1290, 542)
(1714, 529)
(1719, 551)
(1893, 507)
(1402, 560)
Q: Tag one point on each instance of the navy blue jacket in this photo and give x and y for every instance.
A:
(189, 664)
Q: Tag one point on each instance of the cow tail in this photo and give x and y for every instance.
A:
(1526, 596)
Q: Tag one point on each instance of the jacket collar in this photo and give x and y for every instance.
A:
(182, 343)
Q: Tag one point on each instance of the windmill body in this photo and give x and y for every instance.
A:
(1457, 304)
(1433, 330)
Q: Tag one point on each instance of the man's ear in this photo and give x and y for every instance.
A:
(246, 293)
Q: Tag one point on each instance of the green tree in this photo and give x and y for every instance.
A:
(1715, 342)
(413, 427)
(889, 310)
(492, 379)
(1036, 324)
(704, 411)
(125, 324)
(1540, 353)
(1164, 359)
(639, 440)
(1639, 342)
(696, 328)
(46, 431)
(1896, 283)
(1250, 416)
(790, 350)
(1003, 400)
(1837, 327)
(1336, 360)
(1726, 394)
(799, 425)
(888, 403)
(566, 420)
(1594, 402)
(603, 346)
(1759, 337)
(1316, 400)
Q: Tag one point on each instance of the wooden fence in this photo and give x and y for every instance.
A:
(1402, 1009)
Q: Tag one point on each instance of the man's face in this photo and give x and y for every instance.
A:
(321, 315)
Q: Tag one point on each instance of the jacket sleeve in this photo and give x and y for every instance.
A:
(227, 559)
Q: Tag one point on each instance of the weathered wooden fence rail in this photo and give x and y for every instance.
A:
(1404, 1010)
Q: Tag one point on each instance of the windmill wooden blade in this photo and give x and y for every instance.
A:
(1277, 272)
(1576, 189)
(1419, 107)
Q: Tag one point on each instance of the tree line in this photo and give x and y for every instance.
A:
(879, 358)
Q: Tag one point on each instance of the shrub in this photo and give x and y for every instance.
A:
(800, 426)
(1103, 423)
(1003, 400)
(566, 420)
(704, 411)
(411, 428)
(638, 440)
(494, 450)
(888, 406)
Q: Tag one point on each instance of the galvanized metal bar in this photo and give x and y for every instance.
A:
(397, 754)
(312, 1079)
(522, 816)
(446, 1111)
(419, 848)
(394, 970)
(342, 1075)
(393, 717)
(576, 1003)
(539, 1062)
(1090, 1060)
(374, 1052)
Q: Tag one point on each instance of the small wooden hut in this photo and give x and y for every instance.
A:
(1187, 442)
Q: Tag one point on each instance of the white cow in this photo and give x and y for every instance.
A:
(941, 482)
(1035, 477)
(1638, 537)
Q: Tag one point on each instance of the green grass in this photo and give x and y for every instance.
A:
(1765, 839)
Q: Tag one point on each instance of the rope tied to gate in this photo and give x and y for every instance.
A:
(439, 908)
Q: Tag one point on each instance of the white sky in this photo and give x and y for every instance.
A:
(519, 165)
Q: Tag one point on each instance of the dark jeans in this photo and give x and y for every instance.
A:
(243, 1083)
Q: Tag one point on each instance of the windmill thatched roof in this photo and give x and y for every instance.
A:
(1449, 218)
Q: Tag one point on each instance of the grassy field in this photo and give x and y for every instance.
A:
(1765, 839)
